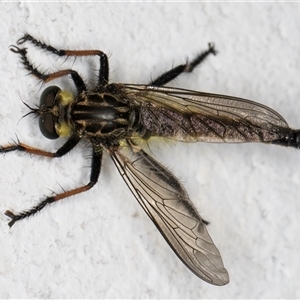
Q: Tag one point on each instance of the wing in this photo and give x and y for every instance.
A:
(195, 116)
(167, 204)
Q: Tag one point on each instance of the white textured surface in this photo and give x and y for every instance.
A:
(101, 244)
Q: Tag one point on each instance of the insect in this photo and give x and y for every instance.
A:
(116, 117)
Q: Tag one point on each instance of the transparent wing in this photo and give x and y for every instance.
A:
(195, 116)
(166, 202)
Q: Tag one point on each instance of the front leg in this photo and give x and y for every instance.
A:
(79, 83)
(104, 66)
(64, 149)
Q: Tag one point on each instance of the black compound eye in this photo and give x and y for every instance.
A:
(47, 98)
(47, 126)
(47, 120)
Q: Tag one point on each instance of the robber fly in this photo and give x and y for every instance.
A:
(114, 117)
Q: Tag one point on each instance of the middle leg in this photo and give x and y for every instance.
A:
(95, 171)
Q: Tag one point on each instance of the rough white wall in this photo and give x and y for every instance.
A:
(101, 244)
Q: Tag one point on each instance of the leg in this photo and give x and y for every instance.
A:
(186, 68)
(95, 171)
(104, 67)
(64, 149)
(79, 83)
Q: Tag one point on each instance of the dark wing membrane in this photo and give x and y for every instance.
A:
(195, 116)
(167, 204)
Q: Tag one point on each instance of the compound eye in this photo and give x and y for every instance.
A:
(47, 120)
(48, 96)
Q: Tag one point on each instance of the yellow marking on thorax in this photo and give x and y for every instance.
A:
(65, 98)
(63, 129)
